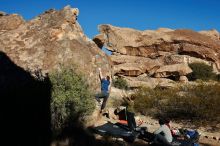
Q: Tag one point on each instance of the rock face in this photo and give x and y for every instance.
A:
(214, 34)
(50, 41)
(162, 53)
(10, 22)
(174, 69)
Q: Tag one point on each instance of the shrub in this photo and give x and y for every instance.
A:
(217, 77)
(151, 101)
(143, 100)
(120, 83)
(200, 102)
(208, 99)
(200, 71)
(71, 98)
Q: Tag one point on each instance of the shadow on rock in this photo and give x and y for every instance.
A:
(25, 106)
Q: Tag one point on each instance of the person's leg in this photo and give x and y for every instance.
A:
(160, 139)
(146, 136)
(104, 101)
(99, 96)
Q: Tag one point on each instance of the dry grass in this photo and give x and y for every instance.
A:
(199, 103)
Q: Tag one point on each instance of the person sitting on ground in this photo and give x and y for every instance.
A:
(163, 134)
(105, 89)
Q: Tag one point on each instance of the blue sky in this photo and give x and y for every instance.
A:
(139, 14)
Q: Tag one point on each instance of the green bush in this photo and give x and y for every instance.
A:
(120, 83)
(217, 77)
(71, 99)
(200, 71)
(143, 102)
(150, 101)
(199, 102)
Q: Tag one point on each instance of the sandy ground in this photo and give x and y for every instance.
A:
(207, 138)
(210, 138)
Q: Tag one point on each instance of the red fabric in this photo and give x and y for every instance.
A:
(123, 122)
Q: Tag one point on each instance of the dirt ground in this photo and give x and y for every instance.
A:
(208, 137)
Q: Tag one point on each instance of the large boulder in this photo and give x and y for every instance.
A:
(51, 41)
(10, 22)
(150, 43)
(161, 53)
(149, 82)
(175, 69)
(214, 34)
(134, 65)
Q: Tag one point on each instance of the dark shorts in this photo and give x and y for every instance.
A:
(103, 94)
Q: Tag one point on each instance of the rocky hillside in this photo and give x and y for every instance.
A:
(157, 57)
(152, 57)
(50, 41)
(55, 40)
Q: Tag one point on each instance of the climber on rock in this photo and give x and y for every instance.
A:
(105, 90)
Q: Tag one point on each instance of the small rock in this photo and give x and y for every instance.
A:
(2, 13)
(183, 79)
